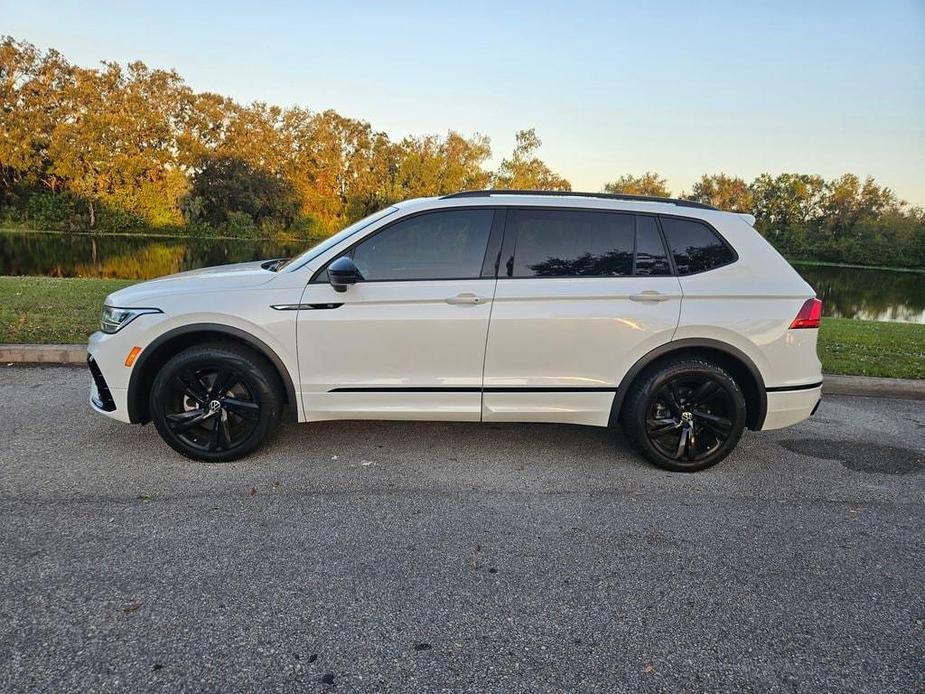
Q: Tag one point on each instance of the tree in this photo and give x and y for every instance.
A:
(340, 167)
(119, 135)
(847, 201)
(230, 192)
(432, 165)
(787, 199)
(524, 170)
(650, 183)
(729, 193)
(30, 85)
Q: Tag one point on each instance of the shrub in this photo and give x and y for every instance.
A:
(56, 212)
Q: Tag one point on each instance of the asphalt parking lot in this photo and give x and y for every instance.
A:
(432, 557)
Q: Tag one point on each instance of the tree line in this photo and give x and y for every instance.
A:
(134, 149)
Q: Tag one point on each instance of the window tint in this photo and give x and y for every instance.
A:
(437, 245)
(695, 246)
(651, 259)
(566, 243)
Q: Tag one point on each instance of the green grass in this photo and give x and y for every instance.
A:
(52, 310)
(869, 348)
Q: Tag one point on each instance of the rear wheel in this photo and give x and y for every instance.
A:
(686, 415)
(216, 402)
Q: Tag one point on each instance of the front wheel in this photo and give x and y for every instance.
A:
(686, 415)
(216, 402)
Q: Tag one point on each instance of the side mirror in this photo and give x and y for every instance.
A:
(342, 273)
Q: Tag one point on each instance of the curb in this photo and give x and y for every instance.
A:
(833, 385)
(43, 354)
(907, 389)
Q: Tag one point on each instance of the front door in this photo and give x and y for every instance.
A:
(581, 296)
(408, 340)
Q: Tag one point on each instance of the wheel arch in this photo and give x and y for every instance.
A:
(731, 358)
(174, 341)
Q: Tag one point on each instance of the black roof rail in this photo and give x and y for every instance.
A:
(575, 194)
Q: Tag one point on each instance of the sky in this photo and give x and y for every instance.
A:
(680, 88)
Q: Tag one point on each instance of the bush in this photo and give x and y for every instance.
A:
(305, 227)
(116, 220)
(240, 225)
(56, 212)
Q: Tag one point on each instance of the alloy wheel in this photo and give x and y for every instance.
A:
(690, 418)
(211, 409)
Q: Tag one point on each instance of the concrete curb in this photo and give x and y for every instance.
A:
(43, 354)
(874, 387)
(833, 385)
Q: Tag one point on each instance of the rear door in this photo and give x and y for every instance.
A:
(581, 296)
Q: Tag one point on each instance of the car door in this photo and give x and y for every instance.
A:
(582, 295)
(407, 341)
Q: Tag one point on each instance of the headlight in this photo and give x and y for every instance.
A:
(114, 319)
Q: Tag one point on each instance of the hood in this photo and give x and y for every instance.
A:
(208, 279)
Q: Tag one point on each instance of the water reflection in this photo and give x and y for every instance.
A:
(846, 292)
(127, 257)
(868, 294)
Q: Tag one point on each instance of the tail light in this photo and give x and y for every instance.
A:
(809, 315)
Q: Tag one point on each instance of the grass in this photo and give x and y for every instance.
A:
(52, 310)
(869, 348)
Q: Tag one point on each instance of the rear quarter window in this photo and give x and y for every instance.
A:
(695, 246)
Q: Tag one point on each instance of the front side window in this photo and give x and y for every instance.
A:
(300, 260)
(695, 246)
(433, 246)
(570, 243)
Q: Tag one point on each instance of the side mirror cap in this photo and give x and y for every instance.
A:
(342, 273)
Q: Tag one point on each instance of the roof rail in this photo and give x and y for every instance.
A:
(575, 194)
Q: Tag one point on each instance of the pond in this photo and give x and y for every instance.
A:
(846, 292)
(883, 295)
(127, 256)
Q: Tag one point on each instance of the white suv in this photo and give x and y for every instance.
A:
(674, 319)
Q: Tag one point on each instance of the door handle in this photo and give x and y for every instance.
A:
(649, 296)
(463, 299)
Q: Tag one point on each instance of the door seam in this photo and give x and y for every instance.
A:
(491, 309)
(677, 323)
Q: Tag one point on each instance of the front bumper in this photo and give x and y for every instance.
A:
(108, 374)
(100, 395)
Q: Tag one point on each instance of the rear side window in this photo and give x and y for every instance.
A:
(575, 243)
(695, 246)
(566, 243)
(432, 246)
(651, 259)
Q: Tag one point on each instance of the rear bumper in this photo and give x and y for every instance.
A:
(788, 407)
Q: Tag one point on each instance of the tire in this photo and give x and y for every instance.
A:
(216, 402)
(685, 415)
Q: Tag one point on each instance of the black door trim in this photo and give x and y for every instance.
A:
(475, 389)
(784, 389)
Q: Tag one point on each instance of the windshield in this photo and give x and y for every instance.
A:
(331, 241)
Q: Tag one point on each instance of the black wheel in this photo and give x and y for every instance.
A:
(216, 402)
(685, 415)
